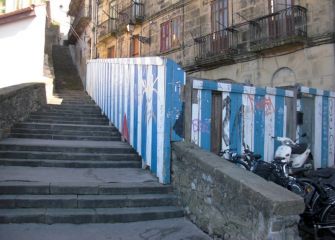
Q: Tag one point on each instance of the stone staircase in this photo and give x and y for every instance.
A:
(66, 75)
(67, 164)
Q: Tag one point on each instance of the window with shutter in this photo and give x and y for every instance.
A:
(171, 34)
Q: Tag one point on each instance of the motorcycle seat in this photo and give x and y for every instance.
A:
(299, 148)
(322, 173)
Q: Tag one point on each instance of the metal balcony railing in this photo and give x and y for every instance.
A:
(133, 13)
(107, 28)
(282, 27)
(83, 16)
(215, 46)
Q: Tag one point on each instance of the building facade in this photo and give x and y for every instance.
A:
(259, 42)
(19, 29)
(13, 5)
(81, 33)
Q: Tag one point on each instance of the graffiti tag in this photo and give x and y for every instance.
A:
(201, 126)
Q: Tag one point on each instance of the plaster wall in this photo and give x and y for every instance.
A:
(22, 50)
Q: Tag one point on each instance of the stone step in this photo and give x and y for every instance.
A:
(70, 163)
(95, 215)
(66, 132)
(67, 109)
(67, 147)
(73, 106)
(65, 137)
(86, 201)
(82, 122)
(66, 113)
(68, 156)
(67, 117)
(64, 126)
(80, 111)
(83, 188)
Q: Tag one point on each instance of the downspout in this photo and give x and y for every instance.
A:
(95, 29)
(92, 17)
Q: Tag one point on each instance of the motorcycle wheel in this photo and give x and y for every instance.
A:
(242, 164)
(328, 218)
(296, 188)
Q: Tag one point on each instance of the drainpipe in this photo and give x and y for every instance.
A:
(92, 17)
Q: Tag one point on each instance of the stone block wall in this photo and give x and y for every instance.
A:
(17, 102)
(229, 202)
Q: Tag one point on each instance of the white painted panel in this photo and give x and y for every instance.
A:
(331, 143)
(160, 120)
(139, 113)
(269, 127)
(148, 89)
(195, 124)
(132, 110)
(248, 119)
(318, 132)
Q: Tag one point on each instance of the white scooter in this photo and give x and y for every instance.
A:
(297, 155)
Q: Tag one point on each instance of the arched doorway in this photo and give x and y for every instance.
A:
(283, 77)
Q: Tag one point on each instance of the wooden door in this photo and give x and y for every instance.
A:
(216, 122)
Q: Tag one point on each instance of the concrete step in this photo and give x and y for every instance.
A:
(167, 229)
(74, 175)
(52, 113)
(95, 215)
(81, 111)
(86, 201)
(64, 126)
(82, 122)
(70, 163)
(112, 133)
(68, 156)
(65, 137)
(83, 188)
(68, 117)
(73, 108)
(72, 147)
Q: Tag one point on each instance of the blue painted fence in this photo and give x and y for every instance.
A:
(141, 97)
(322, 123)
(250, 115)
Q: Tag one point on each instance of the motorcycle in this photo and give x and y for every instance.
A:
(247, 160)
(298, 156)
(318, 218)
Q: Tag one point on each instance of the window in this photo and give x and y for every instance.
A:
(277, 5)
(281, 25)
(113, 10)
(171, 34)
(135, 47)
(111, 52)
(219, 15)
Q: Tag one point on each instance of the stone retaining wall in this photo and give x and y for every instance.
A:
(17, 102)
(229, 202)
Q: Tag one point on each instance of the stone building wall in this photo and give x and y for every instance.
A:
(309, 67)
(309, 64)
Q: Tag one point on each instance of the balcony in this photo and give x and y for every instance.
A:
(215, 48)
(284, 27)
(81, 20)
(133, 13)
(107, 29)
